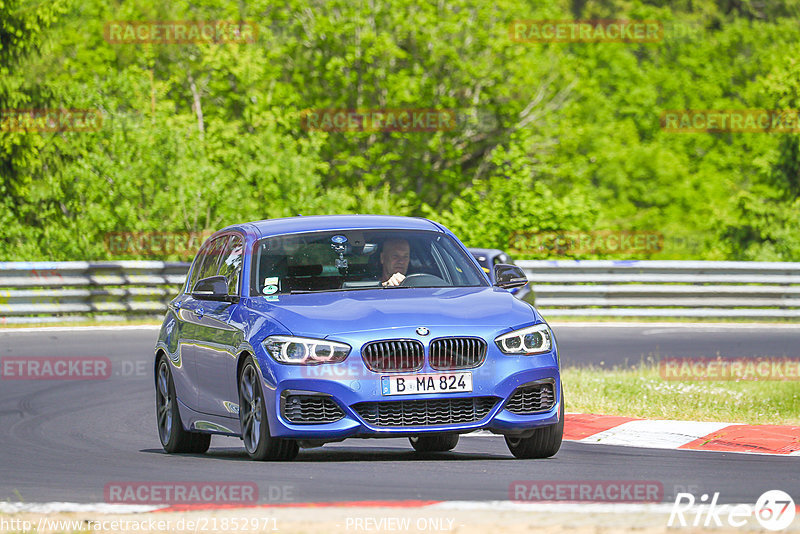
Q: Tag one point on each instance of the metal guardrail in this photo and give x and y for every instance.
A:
(41, 292)
(665, 288)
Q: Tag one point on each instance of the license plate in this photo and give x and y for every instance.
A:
(429, 383)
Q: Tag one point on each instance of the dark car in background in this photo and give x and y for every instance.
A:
(487, 258)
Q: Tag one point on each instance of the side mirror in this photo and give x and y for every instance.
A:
(213, 288)
(508, 276)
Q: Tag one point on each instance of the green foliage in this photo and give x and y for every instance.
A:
(766, 215)
(512, 203)
(22, 28)
(550, 136)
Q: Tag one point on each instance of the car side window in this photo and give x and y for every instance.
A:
(422, 260)
(231, 264)
(197, 265)
(213, 256)
(451, 267)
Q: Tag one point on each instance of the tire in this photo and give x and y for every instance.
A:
(173, 437)
(434, 443)
(253, 418)
(544, 442)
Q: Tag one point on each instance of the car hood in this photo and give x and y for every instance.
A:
(325, 314)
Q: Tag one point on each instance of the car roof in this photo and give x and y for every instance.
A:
(313, 223)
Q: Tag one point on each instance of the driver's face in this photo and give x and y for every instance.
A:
(394, 257)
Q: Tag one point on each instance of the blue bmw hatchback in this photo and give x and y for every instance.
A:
(296, 332)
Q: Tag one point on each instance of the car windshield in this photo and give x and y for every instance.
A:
(347, 260)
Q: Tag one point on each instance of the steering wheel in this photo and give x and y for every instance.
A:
(422, 280)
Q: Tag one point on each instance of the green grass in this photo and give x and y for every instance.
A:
(641, 392)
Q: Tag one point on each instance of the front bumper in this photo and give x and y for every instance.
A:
(350, 385)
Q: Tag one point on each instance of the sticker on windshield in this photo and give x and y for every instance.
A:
(338, 244)
(271, 281)
(271, 297)
(270, 289)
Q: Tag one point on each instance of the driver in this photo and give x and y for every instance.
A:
(394, 261)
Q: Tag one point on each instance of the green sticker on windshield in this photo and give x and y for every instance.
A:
(269, 290)
(271, 297)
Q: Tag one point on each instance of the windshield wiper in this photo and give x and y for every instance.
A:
(302, 291)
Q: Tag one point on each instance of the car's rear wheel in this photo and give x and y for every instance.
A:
(544, 442)
(173, 437)
(434, 442)
(253, 417)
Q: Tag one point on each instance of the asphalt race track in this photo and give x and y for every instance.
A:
(617, 345)
(66, 440)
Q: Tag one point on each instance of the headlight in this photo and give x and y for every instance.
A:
(529, 340)
(306, 351)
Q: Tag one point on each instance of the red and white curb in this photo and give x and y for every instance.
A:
(685, 435)
(679, 435)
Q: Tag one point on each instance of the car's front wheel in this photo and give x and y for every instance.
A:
(253, 418)
(544, 442)
(170, 427)
(434, 443)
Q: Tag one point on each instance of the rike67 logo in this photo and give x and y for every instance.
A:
(774, 510)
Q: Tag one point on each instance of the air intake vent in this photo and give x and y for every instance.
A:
(425, 412)
(532, 399)
(310, 409)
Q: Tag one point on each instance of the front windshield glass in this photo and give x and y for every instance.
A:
(347, 260)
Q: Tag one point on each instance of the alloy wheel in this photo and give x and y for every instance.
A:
(250, 408)
(164, 403)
